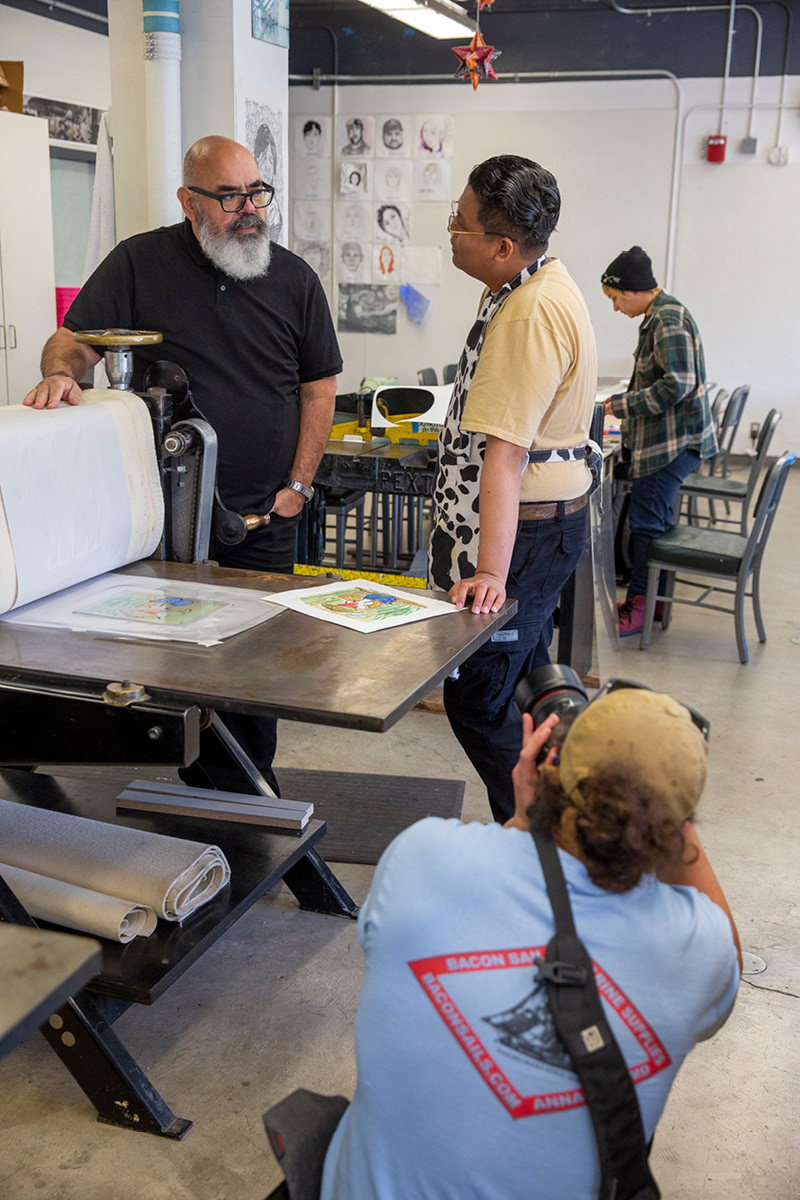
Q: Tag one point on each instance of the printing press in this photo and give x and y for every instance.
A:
(74, 697)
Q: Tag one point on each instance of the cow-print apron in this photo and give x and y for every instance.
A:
(453, 551)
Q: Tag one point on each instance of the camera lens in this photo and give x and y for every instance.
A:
(551, 689)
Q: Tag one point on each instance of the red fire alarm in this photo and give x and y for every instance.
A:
(715, 151)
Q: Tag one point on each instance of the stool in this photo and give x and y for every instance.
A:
(340, 502)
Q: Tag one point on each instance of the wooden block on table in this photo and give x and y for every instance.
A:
(213, 805)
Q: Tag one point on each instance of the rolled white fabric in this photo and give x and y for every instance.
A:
(78, 907)
(172, 876)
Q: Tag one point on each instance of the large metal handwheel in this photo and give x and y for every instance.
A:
(118, 347)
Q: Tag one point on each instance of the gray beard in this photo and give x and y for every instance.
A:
(241, 258)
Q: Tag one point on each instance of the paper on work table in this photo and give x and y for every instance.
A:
(364, 606)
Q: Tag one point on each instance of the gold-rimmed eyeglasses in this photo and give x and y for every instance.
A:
(454, 226)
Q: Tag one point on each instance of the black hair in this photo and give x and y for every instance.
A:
(517, 198)
(309, 125)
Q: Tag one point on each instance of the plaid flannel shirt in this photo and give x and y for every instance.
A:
(666, 408)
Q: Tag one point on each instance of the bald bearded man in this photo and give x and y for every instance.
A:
(249, 323)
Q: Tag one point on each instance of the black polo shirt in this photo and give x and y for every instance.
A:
(245, 346)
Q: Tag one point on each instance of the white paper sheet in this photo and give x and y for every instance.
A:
(139, 606)
(80, 493)
(364, 606)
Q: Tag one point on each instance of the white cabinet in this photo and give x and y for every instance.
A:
(27, 277)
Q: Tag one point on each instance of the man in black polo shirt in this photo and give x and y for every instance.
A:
(249, 323)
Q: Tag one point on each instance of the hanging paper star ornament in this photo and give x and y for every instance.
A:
(475, 60)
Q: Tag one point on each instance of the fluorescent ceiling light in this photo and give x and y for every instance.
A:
(437, 18)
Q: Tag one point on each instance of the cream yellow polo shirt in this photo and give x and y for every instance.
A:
(536, 380)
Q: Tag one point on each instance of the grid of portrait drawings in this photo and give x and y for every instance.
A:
(356, 188)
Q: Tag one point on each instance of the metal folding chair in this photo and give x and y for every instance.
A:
(711, 554)
(738, 491)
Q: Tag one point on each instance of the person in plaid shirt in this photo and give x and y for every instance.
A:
(667, 424)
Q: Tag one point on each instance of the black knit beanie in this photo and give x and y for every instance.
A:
(630, 271)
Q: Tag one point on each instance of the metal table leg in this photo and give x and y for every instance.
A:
(317, 888)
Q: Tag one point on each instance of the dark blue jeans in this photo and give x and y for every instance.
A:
(480, 702)
(651, 511)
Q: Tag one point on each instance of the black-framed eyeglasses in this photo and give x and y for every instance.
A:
(614, 685)
(454, 221)
(231, 202)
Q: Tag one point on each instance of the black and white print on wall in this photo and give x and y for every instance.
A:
(312, 220)
(264, 139)
(356, 137)
(317, 255)
(355, 177)
(312, 137)
(312, 179)
(367, 308)
(354, 221)
(353, 262)
(393, 179)
(393, 136)
(393, 223)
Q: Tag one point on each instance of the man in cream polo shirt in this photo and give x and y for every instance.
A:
(526, 382)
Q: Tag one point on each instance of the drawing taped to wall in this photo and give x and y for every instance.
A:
(432, 180)
(434, 136)
(386, 263)
(367, 308)
(317, 255)
(393, 180)
(354, 178)
(353, 264)
(394, 138)
(312, 137)
(393, 222)
(356, 136)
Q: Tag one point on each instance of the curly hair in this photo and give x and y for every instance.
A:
(517, 198)
(624, 831)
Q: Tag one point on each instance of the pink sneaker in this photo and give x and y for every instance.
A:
(631, 616)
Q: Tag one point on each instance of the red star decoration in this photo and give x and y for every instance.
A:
(475, 61)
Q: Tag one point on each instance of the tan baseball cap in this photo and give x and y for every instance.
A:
(648, 732)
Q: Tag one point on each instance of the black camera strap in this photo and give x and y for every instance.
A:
(577, 1010)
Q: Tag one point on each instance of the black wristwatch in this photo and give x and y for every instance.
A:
(306, 492)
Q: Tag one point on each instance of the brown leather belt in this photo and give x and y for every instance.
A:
(549, 510)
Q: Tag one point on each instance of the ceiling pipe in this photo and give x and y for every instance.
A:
(694, 8)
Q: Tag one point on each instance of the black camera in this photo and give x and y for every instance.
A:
(551, 689)
(558, 689)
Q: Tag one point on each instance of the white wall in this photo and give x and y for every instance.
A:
(611, 145)
(61, 61)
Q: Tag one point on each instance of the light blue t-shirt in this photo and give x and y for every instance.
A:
(464, 1092)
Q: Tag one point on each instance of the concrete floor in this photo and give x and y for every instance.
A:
(271, 1006)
